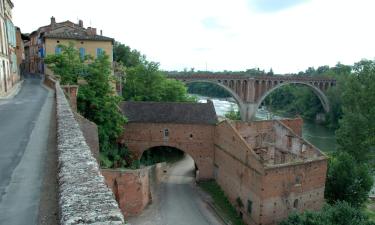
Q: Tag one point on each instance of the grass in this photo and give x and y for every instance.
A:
(221, 202)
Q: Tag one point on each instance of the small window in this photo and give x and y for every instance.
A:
(295, 203)
(57, 50)
(82, 53)
(191, 135)
(99, 52)
(249, 206)
(166, 133)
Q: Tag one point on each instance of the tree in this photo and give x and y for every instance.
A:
(127, 56)
(67, 64)
(341, 213)
(145, 82)
(347, 180)
(98, 103)
(356, 134)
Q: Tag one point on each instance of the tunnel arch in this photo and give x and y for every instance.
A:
(197, 163)
(322, 97)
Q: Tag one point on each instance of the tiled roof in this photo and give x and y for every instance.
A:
(170, 112)
(78, 36)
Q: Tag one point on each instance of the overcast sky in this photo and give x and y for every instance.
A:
(286, 35)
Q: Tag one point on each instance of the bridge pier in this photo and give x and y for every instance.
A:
(247, 111)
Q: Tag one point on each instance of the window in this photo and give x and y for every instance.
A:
(99, 52)
(82, 53)
(295, 203)
(57, 50)
(249, 206)
(166, 133)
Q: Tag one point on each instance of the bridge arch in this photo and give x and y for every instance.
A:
(236, 97)
(322, 97)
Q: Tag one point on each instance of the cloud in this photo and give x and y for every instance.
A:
(269, 6)
(212, 23)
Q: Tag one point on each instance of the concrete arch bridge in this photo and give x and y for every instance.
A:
(250, 91)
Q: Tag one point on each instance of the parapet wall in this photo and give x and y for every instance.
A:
(84, 197)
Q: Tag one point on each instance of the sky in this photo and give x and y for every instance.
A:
(286, 35)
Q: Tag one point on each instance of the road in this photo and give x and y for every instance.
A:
(24, 129)
(178, 201)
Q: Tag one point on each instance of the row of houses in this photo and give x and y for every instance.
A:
(47, 39)
(10, 49)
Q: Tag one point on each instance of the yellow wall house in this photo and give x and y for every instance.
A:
(86, 43)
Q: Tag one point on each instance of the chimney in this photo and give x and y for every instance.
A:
(101, 32)
(53, 20)
(80, 23)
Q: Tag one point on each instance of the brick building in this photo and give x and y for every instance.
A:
(45, 40)
(265, 168)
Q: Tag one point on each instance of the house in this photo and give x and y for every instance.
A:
(46, 40)
(9, 74)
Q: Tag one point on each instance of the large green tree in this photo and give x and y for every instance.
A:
(347, 180)
(127, 56)
(145, 82)
(356, 134)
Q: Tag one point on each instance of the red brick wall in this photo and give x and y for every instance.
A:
(71, 91)
(131, 189)
(238, 171)
(195, 140)
(295, 124)
(283, 185)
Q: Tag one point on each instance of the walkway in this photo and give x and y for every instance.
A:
(179, 203)
(24, 129)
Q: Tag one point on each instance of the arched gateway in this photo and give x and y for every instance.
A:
(249, 92)
(188, 127)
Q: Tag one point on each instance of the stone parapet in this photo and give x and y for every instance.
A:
(84, 197)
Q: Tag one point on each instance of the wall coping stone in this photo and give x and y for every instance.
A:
(84, 197)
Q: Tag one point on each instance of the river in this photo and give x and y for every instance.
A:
(318, 135)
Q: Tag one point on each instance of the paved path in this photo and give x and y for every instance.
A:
(24, 128)
(179, 203)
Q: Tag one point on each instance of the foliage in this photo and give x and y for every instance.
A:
(295, 100)
(347, 180)
(96, 100)
(208, 89)
(341, 213)
(98, 103)
(356, 134)
(233, 114)
(68, 64)
(127, 56)
(221, 201)
(145, 82)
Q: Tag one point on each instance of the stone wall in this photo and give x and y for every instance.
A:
(134, 189)
(84, 197)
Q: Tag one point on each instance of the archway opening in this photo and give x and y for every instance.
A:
(181, 162)
(292, 100)
(225, 100)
